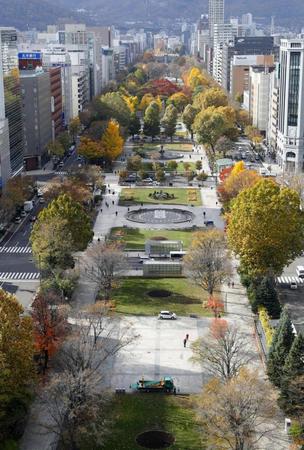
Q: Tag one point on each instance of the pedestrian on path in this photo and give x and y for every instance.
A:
(187, 337)
(229, 284)
(113, 202)
(204, 214)
(185, 343)
(232, 284)
(113, 193)
(100, 209)
(116, 213)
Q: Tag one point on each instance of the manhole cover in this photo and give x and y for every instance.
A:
(155, 439)
(159, 293)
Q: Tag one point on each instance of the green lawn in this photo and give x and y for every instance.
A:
(134, 238)
(131, 297)
(132, 196)
(181, 168)
(133, 414)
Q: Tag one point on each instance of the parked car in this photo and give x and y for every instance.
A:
(61, 164)
(293, 285)
(39, 193)
(23, 214)
(167, 315)
(17, 219)
(33, 218)
(41, 200)
(209, 223)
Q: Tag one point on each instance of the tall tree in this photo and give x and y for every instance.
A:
(179, 100)
(232, 412)
(117, 108)
(267, 295)
(134, 125)
(169, 120)
(104, 266)
(253, 134)
(49, 326)
(223, 354)
(188, 117)
(112, 142)
(16, 362)
(55, 148)
(214, 97)
(209, 126)
(279, 350)
(65, 140)
(74, 128)
(78, 222)
(207, 262)
(90, 149)
(266, 227)
(52, 244)
(152, 120)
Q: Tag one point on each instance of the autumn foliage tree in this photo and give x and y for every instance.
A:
(90, 149)
(266, 228)
(179, 100)
(49, 326)
(112, 142)
(16, 364)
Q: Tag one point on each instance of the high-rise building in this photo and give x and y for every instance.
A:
(5, 165)
(259, 88)
(291, 106)
(12, 97)
(37, 116)
(203, 39)
(215, 15)
(222, 34)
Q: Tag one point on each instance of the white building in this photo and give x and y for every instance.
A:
(272, 127)
(215, 14)
(259, 88)
(222, 34)
(291, 106)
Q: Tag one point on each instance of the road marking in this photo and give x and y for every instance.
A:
(26, 249)
(22, 276)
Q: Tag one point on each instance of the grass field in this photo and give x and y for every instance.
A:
(132, 297)
(133, 414)
(134, 238)
(133, 196)
(181, 168)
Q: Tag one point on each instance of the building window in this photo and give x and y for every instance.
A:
(293, 89)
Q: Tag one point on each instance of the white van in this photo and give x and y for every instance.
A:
(300, 271)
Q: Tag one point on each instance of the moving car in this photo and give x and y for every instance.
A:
(17, 219)
(167, 315)
(41, 200)
(209, 223)
(23, 214)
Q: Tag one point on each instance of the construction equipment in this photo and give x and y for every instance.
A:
(166, 384)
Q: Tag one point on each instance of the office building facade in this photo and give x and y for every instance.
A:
(290, 140)
(12, 97)
(215, 15)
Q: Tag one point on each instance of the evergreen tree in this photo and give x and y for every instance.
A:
(169, 120)
(279, 350)
(151, 120)
(294, 364)
(134, 125)
(266, 295)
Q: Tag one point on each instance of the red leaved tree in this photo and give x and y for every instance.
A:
(215, 305)
(49, 326)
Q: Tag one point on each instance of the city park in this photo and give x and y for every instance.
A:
(101, 290)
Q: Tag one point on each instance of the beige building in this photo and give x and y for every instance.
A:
(259, 88)
(240, 69)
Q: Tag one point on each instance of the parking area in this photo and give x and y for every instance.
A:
(159, 351)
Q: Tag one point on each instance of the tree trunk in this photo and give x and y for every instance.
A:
(46, 361)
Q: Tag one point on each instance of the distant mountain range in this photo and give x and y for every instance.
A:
(38, 13)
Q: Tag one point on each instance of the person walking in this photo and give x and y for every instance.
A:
(113, 202)
(185, 343)
(187, 337)
(116, 213)
(232, 284)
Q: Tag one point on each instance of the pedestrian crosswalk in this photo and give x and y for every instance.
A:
(288, 280)
(19, 276)
(16, 249)
(60, 173)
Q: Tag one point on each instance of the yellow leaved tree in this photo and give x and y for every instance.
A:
(111, 141)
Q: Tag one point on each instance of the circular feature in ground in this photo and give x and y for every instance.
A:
(160, 215)
(155, 439)
(159, 293)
